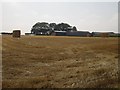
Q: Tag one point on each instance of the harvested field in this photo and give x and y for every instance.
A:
(59, 62)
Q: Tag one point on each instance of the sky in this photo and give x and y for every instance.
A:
(86, 16)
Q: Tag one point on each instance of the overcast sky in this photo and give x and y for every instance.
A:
(86, 16)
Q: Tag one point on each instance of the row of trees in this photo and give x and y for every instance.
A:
(46, 28)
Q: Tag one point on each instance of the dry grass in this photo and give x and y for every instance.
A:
(59, 62)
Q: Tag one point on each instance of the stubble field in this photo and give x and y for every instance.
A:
(59, 62)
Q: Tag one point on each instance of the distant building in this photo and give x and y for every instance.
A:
(78, 33)
(41, 32)
(95, 34)
(102, 34)
(30, 34)
(6, 33)
(115, 35)
(59, 33)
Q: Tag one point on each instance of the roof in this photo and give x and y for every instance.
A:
(102, 32)
(5, 33)
(59, 31)
(80, 31)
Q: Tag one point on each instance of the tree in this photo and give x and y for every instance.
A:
(62, 27)
(52, 25)
(74, 28)
(42, 27)
(46, 28)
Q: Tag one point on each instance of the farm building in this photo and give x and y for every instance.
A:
(30, 34)
(115, 35)
(79, 33)
(95, 34)
(40, 32)
(16, 33)
(59, 33)
(6, 33)
(104, 35)
(101, 34)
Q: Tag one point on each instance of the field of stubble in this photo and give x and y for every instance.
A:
(59, 62)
